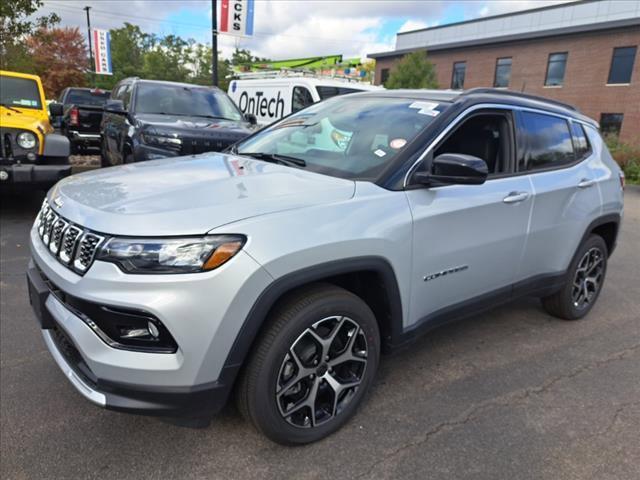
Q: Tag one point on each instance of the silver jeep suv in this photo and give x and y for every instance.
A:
(280, 270)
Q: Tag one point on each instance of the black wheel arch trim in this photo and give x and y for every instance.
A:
(614, 218)
(279, 287)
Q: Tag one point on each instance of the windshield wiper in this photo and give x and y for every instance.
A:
(9, 107)
(276, 158)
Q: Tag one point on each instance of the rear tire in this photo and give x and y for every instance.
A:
(584, 282)
(312, 365)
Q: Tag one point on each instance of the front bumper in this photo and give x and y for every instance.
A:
(203, 312)
(26, 174)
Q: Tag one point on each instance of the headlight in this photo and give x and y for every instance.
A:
(27, 140)
(162, 141)
(171, 255)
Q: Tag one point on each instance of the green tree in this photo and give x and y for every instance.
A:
(241, 57)
(16, 22)
(201, 67)
(414, 70)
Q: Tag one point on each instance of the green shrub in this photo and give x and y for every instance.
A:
(627, 156)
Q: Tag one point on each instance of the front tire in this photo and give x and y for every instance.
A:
(312, 366)
(584, 282)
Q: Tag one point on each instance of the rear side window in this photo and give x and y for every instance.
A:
(549, 141)
(580, 141)
(325, 92)
(301, 98)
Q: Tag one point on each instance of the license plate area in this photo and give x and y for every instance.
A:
(38, 294)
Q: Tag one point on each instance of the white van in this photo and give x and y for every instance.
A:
(270, 98)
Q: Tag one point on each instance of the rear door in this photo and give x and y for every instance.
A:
(468, 240)
(564, 171)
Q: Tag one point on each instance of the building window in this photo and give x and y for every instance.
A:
(611, 123)
(555, 69)
(622, 65)
(503, 72)
(457, 78)
(384, 75)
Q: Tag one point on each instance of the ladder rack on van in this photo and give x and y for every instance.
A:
(288, 73)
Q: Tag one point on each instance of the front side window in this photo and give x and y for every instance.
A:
(549, 141)
(622, 65)
(301, 98)
(457, 78)
(611, 123)
(503, 72)
(349, 137)
(555, 69)
(185, 100)
(484, 135)
(19, 92)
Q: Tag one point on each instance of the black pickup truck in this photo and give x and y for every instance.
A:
(82, 115)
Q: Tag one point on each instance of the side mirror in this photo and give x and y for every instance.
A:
(115, 106)
(251, 118)
(454, 168)
(56, 109)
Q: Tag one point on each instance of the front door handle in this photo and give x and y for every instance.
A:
(515, 197)
(586, 183)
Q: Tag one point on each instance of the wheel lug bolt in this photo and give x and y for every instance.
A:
(312, 376)
(326, 359)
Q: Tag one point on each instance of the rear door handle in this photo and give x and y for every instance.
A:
(515, 197)
(586, 183)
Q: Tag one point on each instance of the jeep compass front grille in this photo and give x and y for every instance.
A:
(72, 245)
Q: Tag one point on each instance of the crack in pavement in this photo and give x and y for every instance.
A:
(510, 399)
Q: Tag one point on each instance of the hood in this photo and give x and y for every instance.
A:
(26, 118)
(188, 124)
(189, 195)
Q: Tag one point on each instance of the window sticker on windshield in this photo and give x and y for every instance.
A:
(380, 153)
(425, 108)
(397, 143)
(27, 103)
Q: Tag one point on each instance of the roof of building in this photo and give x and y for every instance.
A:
(563, 19)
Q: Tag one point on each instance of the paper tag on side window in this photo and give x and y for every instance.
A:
(425, 108)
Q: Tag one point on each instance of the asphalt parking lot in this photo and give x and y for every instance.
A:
(512, 393)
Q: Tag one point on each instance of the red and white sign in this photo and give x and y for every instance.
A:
(236, 17)
(101, 40)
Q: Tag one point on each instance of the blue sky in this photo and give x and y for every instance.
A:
(291, 28)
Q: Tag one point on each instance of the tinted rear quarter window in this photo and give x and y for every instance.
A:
(327, 92)
(549, 141)
(580, 141)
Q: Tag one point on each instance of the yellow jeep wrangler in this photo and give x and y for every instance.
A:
(30, 152)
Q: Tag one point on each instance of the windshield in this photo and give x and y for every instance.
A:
(95, 98)
(350, 137)
(185, 100)
(19, 92)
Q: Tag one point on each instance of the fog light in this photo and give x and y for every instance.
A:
(3, 175)
(31, 156)
(153, 330)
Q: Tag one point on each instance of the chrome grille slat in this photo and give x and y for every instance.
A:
(72, 245)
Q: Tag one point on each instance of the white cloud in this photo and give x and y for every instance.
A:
(413, 25)
(287, 28)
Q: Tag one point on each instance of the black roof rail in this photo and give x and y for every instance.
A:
(510, 93)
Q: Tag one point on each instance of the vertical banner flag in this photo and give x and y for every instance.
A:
(237, 17)
(102, 51)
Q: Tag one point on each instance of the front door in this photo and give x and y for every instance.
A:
(468, 240)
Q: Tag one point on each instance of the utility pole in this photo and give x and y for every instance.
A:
(214, 42)
(93, 67)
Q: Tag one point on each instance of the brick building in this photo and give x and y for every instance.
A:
(583, 53)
